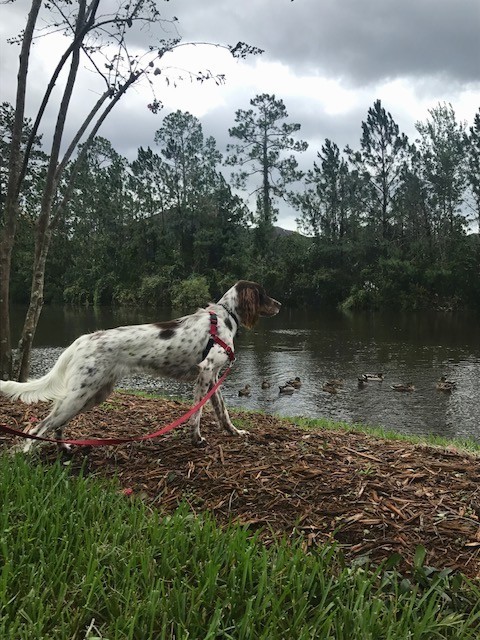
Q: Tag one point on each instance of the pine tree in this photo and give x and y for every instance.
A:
(442, 147)
(472, 140)
(260, 152)
(325, 203)
(382, 155)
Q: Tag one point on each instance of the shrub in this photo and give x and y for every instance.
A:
(104, 288)
(190, 294)
(76, 294)
(155, 290)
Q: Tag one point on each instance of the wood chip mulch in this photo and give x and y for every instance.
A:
(374, 497)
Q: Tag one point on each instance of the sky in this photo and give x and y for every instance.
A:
(328, 60)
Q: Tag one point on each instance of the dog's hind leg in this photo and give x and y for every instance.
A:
(56, 419)
(221, 414)
(64, 411)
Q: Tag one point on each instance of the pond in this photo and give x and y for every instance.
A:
(410, 347)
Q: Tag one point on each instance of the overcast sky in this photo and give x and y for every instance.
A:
(329, 60)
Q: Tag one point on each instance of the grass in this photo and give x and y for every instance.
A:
(80, 560)
(466, 444)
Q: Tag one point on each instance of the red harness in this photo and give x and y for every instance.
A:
(215, 339)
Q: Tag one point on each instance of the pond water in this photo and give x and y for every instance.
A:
(316, 346)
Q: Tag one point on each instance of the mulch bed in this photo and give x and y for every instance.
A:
(374, 497)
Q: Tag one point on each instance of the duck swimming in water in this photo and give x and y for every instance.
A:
(245, 391)
(335, 382)
(286, 388)
(328, 387)
(445, 385)
(403, 387)
(296, 383)
(374, 377)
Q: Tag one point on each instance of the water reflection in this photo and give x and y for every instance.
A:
(317, 346)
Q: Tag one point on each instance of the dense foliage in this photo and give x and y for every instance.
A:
(390, 223)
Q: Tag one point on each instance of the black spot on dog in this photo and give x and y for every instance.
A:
(166, 334)
(228, 324)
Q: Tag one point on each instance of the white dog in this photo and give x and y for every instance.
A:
(194, 347)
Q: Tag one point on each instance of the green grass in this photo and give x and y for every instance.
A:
(466, 444)
(80, 560)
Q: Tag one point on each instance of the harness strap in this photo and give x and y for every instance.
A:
(215, 339)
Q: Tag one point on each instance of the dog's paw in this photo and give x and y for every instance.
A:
(200, 442)
(66, 450)
(241, 432)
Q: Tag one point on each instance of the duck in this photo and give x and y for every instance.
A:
(265, 384)
(375, 377)
(286, 388)
(403, 387)
(296, 383)
(329, 387)
(335, 382)
(445, 385)
(245, 391)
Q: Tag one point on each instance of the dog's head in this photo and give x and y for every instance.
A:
(253, 302)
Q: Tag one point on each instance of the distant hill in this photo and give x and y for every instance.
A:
(280, 231)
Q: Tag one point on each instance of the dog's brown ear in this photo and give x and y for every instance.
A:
(249, 303)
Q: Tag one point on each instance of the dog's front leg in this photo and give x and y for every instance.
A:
(221, 414)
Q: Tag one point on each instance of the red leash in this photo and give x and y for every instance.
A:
(98, 442)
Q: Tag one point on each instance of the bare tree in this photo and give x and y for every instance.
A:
(13, 187)
(103, 42)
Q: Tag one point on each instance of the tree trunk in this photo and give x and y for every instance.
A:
(34, 309)
(267, 216)
(11, 202)
(6, 246)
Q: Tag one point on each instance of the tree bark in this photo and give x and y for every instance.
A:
(34, 309)
(11, 203)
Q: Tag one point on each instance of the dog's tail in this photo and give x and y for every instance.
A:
(51, 386)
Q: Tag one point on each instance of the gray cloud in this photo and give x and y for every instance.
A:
(362, 42)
